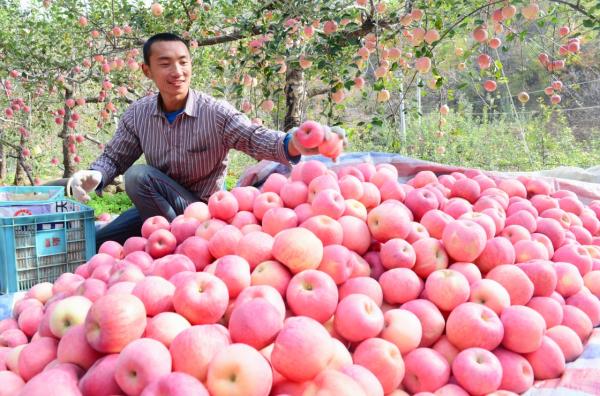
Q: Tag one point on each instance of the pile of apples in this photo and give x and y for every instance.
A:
(328, 282)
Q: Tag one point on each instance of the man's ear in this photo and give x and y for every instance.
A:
(146, 70)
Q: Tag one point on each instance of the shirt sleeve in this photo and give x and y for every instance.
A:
(120, 152)
(255, 140)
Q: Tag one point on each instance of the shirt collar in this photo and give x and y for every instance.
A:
(190, 105)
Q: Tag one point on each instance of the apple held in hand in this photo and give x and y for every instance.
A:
(310, 134)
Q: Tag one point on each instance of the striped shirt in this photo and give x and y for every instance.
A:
(193, 150)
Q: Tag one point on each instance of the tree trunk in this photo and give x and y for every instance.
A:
(294, 97)
(20, 175)
(68, 163)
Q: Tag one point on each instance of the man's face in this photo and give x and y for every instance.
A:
(170, 68)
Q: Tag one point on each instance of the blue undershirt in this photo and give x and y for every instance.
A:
(172, 115)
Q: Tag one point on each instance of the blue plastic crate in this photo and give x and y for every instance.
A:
(28, 195)
(39, 248)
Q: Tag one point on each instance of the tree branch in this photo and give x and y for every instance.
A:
(577, 7)
(318, 91)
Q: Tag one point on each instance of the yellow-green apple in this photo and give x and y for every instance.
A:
(11, 383)
(294, 193)
(255, 322)
(426, 370)
(175, 384)
(435, 221)
(274, 183)
(403, 329)
(389, 220)
(99, 379)
(239, 369)
(431, 256)
(362, 285)
(223, 205)
(383, 359)
(464, 240)
(474, 325)
(245, 197)
(400, 285)
(491, 294)
(264, 202)
(35, 356)
(277, 219)
(312, 293)
(298, 249)
(224, 241)
(140, 363)
(447, 289)
(357, 317)
(577, 320)
(201, 299)
(193, 349)
(302, 349)
(271, 273)
(477, 370)
(337, 262)
(234, 271)
(568, 279)
(328, 230)
(547, 361)
(515, 281)
(365, 378)
(69, 312)
(523, 329)
(113, 321)
(397, 253)
(74, 348)
(160, 243)
(567, 340)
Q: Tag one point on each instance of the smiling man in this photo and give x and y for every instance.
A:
(185, 137)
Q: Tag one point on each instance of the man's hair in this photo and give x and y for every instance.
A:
(160, 37)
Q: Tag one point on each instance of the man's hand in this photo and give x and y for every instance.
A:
(83, 182)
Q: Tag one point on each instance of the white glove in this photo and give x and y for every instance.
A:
(83, 182)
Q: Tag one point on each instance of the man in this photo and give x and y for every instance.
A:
(185, 136)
